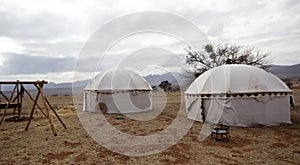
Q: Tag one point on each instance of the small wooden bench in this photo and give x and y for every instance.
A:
(218, 131)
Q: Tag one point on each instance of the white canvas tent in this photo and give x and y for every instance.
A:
(238, 95)
(121, 91)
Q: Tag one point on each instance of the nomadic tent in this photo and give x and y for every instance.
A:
(117, 91)
(238, 95)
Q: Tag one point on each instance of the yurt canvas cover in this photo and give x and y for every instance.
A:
(122, 91)
(238, 95)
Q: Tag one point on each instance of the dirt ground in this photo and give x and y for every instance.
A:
(252, 145)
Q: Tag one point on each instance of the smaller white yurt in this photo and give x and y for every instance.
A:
(117, 91)
(238, 95)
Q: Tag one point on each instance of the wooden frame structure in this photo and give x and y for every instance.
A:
(16, 98)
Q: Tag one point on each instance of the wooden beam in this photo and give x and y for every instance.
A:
(23, 82)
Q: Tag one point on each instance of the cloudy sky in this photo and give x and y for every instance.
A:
(43, 39)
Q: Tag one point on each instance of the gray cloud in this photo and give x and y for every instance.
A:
(56, 49)
(39, 26)
(50, 34)
(152, 56)
(24, 64)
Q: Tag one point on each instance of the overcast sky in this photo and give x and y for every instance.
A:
(42, 39)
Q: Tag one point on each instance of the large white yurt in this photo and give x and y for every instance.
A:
(238, 95)
(117, 91)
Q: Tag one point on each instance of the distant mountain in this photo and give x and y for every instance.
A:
(285, 72)
(82, 83)
(157, 79)
(174, 78)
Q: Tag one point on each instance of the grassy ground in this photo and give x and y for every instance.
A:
(253, 145)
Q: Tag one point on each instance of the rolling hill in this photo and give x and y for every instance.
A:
(285, 71)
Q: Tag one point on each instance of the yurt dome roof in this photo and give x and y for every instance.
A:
(235, 79)
(118, 80)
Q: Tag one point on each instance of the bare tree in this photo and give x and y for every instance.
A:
(223, 53)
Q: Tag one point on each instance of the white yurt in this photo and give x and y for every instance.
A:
(238, 95)
(117, 91)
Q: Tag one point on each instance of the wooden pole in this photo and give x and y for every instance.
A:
(18, 96)
(0, 95)
(22, 95)
(3, 95)
(40, 88)
(55, 113)
(15, 98)
(34, 101)
(18, 100)
(32, 110)
(7, 104)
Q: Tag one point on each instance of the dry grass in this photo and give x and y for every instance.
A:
(254, 145)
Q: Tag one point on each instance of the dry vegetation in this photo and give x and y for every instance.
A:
(254, 145)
